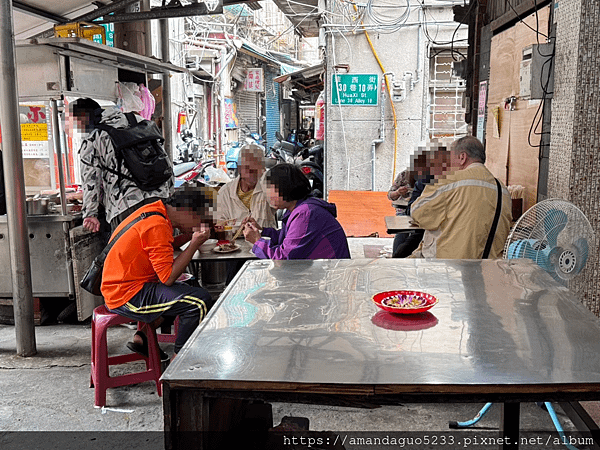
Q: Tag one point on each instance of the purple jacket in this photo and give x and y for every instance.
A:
(310, 231)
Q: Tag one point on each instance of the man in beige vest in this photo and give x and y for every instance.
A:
(245, 194)
(458, 209)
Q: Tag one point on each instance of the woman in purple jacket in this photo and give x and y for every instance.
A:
(310, 229)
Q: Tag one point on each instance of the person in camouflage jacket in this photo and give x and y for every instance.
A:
(119, 197)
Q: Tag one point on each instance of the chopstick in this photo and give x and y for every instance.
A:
(239, 231)
(223, 222)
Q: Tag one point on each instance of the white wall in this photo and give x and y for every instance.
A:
(351, 129)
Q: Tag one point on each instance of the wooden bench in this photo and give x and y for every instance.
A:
(362, 213)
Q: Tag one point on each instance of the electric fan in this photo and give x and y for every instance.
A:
(556, 235)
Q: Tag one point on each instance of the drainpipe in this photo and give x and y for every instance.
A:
(418, 71)
(166, 89)
(381, 138)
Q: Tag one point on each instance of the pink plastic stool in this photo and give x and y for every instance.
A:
(102, 319)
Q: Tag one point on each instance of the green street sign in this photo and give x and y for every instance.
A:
(355, 89)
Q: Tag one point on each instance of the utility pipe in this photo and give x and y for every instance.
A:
(14, 183)
(418, 71)
(145, 6)
(56, 133)
(166, 88)
(448, 23)
(381, 138)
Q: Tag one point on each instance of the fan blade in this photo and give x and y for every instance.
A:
(554, 222)
(522, 249)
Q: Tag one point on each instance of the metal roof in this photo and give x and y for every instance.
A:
(306, 84)
(304, 14)
(34, 16)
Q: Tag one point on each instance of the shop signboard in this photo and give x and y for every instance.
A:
(355, 89)
(255, 81)
(34, 131)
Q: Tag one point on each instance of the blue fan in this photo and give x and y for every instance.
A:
(556, 235)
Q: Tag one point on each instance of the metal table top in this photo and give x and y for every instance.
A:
(242, 254)
(499, 325)
(396, 224)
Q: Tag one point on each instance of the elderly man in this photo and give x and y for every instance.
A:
(244, 194)
(457, 212)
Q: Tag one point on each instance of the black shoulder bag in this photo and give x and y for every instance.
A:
(490, 239)
(92, 279)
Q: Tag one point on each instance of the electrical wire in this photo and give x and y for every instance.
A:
(539, 114)
(387, 83)
(523, 22)
(452, 41)
(337, 87)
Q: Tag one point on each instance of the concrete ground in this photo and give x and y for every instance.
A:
(50, 392)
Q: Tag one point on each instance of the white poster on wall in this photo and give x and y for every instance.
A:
(254, 81)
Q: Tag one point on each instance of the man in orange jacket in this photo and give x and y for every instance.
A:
(140, 273)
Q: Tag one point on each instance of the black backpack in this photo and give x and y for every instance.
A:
(140, 148)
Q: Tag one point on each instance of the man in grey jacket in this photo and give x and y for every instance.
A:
(119, 195)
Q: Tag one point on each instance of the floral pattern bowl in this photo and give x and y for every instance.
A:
(404, 302)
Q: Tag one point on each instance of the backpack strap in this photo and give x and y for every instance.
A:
(490, 239)
(119, 157)
(131, 119)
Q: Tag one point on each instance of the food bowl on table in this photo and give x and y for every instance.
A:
(404, 301)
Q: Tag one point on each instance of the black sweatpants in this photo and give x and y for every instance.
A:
(154, 300)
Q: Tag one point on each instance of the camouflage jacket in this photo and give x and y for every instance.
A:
(101, 186)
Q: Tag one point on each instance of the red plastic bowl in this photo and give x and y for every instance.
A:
(404, 302)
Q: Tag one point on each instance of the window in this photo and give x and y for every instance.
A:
(446, 97)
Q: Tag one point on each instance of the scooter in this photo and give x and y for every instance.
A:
(233, 152)
(310, 161)
(190, 153)
(205, 172)
(190, 149)
(312, 166)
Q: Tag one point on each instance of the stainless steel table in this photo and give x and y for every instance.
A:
(307, 331)
(398, 224)
(243, 254)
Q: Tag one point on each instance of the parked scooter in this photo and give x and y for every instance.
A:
(205, 172)
(190, 149)
(310, 161)
(233, 152)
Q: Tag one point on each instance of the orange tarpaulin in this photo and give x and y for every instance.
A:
(362, 213)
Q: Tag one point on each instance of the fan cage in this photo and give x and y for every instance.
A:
(555, 234)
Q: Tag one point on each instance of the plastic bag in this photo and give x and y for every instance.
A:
(148, 102)
(129, 97)
(217, 175)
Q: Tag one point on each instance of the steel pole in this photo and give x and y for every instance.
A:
(166, 88)
(14, 183)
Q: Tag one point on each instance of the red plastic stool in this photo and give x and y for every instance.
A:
(168, 337)
(102, 319)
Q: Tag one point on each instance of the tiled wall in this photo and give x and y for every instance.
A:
(574, 172)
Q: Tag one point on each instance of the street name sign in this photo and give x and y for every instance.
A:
(355, 89)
